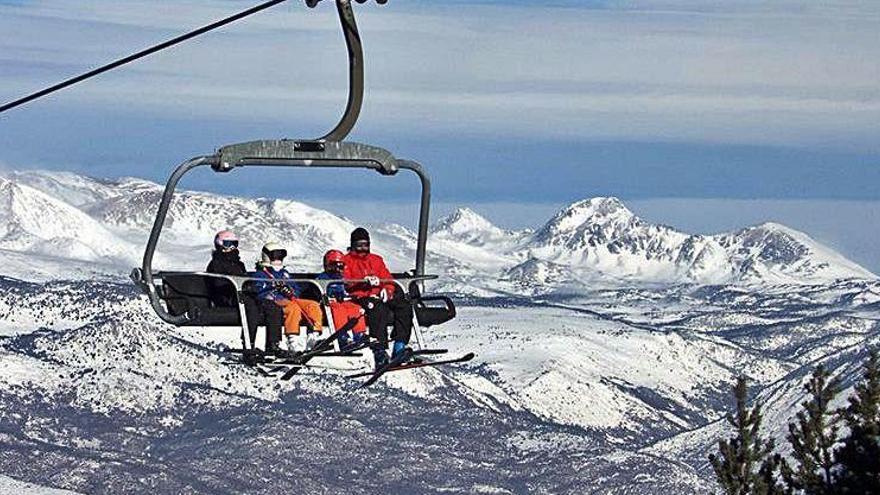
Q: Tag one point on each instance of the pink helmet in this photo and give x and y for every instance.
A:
(226, 239)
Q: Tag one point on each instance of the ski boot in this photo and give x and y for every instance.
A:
(380, 356)
(312, 339)
(275, 349)
(399, 348)
(252, 357)
(350, 343)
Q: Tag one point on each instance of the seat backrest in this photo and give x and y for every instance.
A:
(189, 294)
(185, 292)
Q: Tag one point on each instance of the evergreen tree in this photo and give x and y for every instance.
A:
(813, 436)
(859, 456)
(745, 463)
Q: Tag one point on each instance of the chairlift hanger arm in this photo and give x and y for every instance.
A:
(355, 72)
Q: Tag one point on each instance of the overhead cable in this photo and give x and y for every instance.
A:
(140, 54)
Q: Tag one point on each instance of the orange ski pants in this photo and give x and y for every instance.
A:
(296, 309)
(344, 311)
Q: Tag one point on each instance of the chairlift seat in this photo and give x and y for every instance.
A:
(188, 294)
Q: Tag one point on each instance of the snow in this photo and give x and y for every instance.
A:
(10, 485)
(600, 338)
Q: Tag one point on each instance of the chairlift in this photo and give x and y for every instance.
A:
(182, 298)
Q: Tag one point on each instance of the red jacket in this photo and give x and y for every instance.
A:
(358, 266)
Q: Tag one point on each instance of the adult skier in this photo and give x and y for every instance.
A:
(225, 260)
(382, 301)
(286, 294)
(342, 308)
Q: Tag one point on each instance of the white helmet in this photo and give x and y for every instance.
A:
(272, 251)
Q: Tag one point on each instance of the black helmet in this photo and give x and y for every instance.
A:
(359, 235)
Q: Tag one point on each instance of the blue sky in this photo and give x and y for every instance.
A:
(516, 107)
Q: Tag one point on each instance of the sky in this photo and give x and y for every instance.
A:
(751, 110)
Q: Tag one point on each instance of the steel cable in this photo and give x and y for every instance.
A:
(140, 54)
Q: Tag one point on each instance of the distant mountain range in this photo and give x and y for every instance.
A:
(62, 225)
(606, 347)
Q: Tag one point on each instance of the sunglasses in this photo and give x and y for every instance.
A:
(229, 244)
(361, 245)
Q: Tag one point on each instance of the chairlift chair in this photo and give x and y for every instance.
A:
(182, 298)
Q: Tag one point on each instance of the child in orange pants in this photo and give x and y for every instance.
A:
(294, 311)
(285, 293)
(342, 309)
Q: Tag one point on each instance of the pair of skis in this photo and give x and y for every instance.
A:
(408, 360)
(320, 349)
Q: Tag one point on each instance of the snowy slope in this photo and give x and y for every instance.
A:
(622, 384)
(10, 485)
(64, 219)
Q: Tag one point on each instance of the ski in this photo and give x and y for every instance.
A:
(340, 354)
(321, 347)
(404, 356)
(318, 367)
(429, 352)
(408, 366)
(266, 370)
(298, 361)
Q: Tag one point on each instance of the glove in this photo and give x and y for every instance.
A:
(372, 280)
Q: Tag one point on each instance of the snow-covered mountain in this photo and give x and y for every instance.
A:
(600, 236)
(606, 347)
(62, 220)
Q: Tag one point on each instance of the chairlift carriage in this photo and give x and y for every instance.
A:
(182, 298)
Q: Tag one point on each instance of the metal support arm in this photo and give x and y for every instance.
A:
(145, 278)
(355, 73)
(424, 212)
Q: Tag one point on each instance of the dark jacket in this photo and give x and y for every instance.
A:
(271, 290)
(221, 291)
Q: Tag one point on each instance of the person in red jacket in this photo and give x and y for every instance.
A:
(383, 301)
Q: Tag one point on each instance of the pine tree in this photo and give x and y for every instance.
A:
(813, 436)
(859, 456)
(746, 464)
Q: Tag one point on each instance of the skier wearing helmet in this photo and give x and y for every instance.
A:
(382, 301)
(286, 294)
(225, 260)
(342, 308)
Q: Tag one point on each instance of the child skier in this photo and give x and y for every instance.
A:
(342, 309)
(286, 294)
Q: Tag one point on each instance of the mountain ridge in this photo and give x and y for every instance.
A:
(591, 240)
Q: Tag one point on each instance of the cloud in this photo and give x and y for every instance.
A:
(790, 73)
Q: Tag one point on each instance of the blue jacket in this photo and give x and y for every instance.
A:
(267, 290)
(336, 291)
